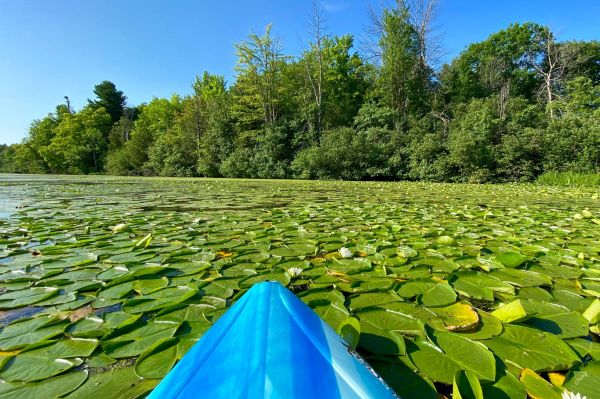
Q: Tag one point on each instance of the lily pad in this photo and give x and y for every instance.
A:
(51, 388)
(530, 348)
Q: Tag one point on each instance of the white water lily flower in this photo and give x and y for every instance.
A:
(571, 395)
(345, 253)
(294, 271)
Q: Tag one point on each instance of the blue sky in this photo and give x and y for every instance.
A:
(150, 48)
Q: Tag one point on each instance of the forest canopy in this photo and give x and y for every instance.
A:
(508, 108)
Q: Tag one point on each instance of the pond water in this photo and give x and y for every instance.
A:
(108, 266)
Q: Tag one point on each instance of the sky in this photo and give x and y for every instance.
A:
(152, 48)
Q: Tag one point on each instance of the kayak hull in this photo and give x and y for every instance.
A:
(270, 345)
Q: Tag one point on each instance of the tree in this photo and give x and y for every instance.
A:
(260, 65)
(212, 105)
(313, 61)
(111, 99)
(155, 119)
(79, 145)
(572, 141)
(403, 85)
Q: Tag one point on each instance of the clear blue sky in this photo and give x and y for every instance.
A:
(148, 48)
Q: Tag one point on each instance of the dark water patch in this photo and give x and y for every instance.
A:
(108, 309)
(8, 316)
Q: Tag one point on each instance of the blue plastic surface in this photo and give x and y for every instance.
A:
(270, 345)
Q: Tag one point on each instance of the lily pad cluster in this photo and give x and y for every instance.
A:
(463, 290)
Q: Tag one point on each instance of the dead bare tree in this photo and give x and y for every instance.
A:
(552, 68)
(68, 103)
(422, 16)
(314, 70)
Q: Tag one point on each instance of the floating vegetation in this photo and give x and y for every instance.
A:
(479, 291)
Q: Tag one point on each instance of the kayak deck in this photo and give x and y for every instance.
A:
(270, 345)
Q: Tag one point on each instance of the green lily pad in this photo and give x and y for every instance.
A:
(406, 382)
(28, 296)
(31, 331)
(563, 325)
(480, 286)
(584, 379)
(511, 259)
(440, 363)
(528, 347)
(157, 360)
(537, 387)
(50, 388)
(138, 340)
(456, 317)
(159, 299)
(466, 386)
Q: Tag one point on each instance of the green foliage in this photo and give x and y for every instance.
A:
(569, 179)
(509, 108)
(109, 98)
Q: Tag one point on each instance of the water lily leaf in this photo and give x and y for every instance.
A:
(115, 383)
(28, 296)
(34, 366)
(522, 278)
(406, 382)
(537, 293)
(389, 320)
(466, 386)
(441, 366)
(445, 240)
(349, 330)
(349, 266)
(511, 259)
(371, 299)
(147, 286)
(406, 252)
(563, 325)
(188, 268)
(380, 342)
(322, 297)
(66, 348)
(456, 317)
(332, 314)
(470, 355)
(592, 313)
(416, 287)
(480, 286)
(138, 340)
(530, 348)
(584, 347)
(439, 295)
(584, 379)
(511, 312)
(157, 360)
(431, 361)
(31, 331)
(488, 327)
(282, 277)
(51, 388)
(100, 360)
(294, 250)
(505, 386)
(537, 387)
(116, 291)
(159, 299)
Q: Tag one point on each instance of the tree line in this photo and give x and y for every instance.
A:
(505, 109)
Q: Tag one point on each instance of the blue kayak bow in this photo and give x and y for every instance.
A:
(270, 345)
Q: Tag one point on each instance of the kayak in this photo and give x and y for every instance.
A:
(271, 345)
